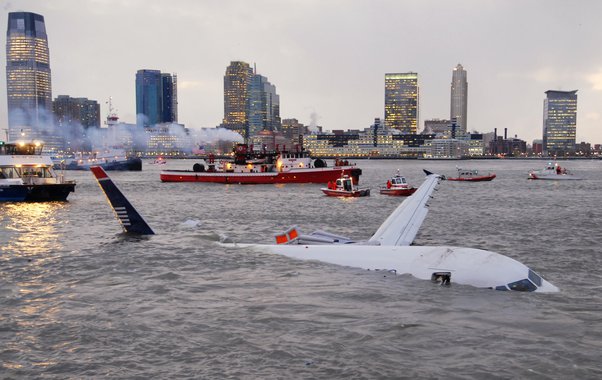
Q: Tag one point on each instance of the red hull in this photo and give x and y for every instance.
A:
(398, 192)
(473, 179)
(348, 194)
(314, 175)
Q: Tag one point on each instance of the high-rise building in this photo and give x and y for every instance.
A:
(82, 111)
(559, 122)
(264, 105)
(401, 101)
(73, 118)
(459, 99)
(236, 97)
(156, 97)
(28, 85)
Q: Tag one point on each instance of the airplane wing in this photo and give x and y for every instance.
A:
(127, 215)
(402, 225)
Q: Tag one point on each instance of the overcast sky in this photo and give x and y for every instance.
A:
(329, 57)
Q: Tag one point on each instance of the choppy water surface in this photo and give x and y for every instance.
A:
(78, 299)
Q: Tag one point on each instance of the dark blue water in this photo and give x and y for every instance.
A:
(80, 300)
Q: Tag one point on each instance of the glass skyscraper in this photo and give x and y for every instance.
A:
(236, 97)
(264, 105)
(459, 99)
(559, 122)
(401, 102)
(156, 97)
(28, 86)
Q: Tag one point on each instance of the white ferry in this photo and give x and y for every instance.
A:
(27, 175)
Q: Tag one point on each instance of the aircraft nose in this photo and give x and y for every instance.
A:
(547, 287)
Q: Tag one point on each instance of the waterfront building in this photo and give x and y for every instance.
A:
(504, 146)
(440, 127)
(266, 140)
(73, 117)
(236, 97)
(28, 80)
(70, 111)
(374, 141)
(156, 97)
(459, 99)
(167, 139)
(293, 130)
(559, 122)
(264, 105)
(401, 101)
(446, 148)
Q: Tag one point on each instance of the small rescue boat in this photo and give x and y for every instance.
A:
(471, 175)
(397, 186)
(553, 172)
(344, 187)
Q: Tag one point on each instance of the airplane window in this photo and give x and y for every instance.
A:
(534, 277)
(522, 286)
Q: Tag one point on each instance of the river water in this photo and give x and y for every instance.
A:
(78, 299)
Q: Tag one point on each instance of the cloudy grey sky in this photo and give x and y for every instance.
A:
(329, 57)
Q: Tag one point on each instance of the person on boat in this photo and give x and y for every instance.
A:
(388, 184)
(558, 169)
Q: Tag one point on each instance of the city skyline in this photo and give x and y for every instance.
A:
(330, 72)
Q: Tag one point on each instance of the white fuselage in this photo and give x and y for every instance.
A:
(467, 266)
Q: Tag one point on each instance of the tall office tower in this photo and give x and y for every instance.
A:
(459, 99)
(236, 97)
(170, 98)
(156, 97)
(28, 86)
(70, 111)
(559, 122)
(264, 105)
(401, 102)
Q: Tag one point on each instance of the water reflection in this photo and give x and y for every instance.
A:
(31, 279)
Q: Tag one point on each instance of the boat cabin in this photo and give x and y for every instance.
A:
(344, 183)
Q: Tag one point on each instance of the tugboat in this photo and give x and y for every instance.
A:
(344, 187)
(397, 186)
(110, 159)
(263, 167)
(27, 175)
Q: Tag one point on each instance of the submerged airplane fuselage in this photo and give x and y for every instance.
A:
(467, 266)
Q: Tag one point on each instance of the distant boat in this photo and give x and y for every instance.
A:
(471, 175)
(397, 186)
(553, 172)
(111, 159)
(27, 175)
(159, 161)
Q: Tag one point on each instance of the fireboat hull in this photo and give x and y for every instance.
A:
(346, 193)
(473, 179)
(398, 192)
(314, 175)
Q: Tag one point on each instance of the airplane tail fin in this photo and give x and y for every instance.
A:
(127, 215)
(401, 227)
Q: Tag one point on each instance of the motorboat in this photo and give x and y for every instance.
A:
(554, 172)
(263, 167)
(471, 175)
(397, 186)
(344, 187)
(159, 161)
(390, 249)
(27, 175)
